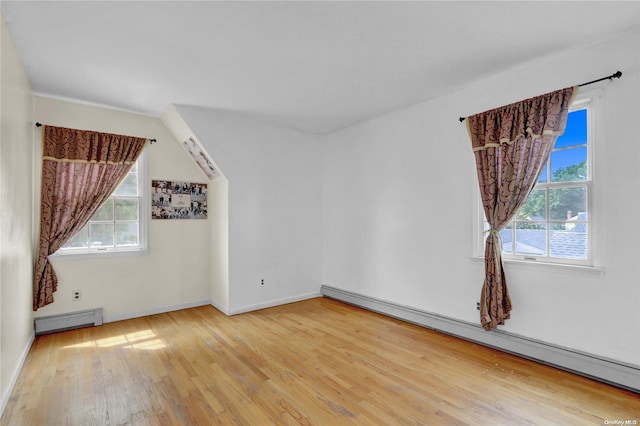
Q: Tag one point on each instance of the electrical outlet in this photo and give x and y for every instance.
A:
(478, 305)
(75, 295)
(262, 281)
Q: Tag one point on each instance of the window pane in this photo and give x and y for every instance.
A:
(535, 208)
(506, 235)
(576, 131)
(543, 174)
(569, 165)
(129, 186)
(565, 203)
(569, 242)
(126, 209)
(127, 234)
(101, 234)
(80, 240)
(531, 239)
(105, 212)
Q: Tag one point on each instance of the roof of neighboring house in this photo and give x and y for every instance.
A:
(569, 244)
(565, 244)
(578, 227)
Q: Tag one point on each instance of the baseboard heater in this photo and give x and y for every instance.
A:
(68, 321)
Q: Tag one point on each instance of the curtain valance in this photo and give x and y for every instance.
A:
(64, 144)
(534, 117)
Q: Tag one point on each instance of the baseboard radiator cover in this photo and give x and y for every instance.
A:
(609, 371)
(68, 321)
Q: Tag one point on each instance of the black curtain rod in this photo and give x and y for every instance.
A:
(617, 74)
(38, 124)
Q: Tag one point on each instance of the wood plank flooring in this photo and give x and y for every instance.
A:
(317, 362)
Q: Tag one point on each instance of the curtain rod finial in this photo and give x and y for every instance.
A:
(618, 74)
(461, 119)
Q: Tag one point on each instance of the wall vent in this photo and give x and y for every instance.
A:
(71, 320)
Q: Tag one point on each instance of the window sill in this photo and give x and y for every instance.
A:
(95, 254)
(531, 265)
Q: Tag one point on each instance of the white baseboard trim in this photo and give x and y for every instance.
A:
(613, 372)
(154, 311)
(16, 373)
(272, 303)
(220, 307)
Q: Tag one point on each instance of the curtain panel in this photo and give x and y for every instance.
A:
(80, 170)
(511, 144)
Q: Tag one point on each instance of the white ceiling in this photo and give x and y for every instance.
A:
(313, 66)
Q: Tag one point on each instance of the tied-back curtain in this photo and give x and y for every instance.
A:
(511, 144)
(80, 170)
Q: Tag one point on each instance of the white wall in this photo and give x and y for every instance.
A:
(275, 213)
(218, 200)
(399, 196)
(176, 271)
(16, 237)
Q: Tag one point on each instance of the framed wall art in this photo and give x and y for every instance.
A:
(178, 200)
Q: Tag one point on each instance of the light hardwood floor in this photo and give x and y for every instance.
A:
(317, 362)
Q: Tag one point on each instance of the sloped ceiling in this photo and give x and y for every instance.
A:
(312, 66)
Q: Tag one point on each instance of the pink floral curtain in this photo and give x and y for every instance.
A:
(80, 170)
(511, 144)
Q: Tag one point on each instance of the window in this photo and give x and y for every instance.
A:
(555, 224)
(119, 225)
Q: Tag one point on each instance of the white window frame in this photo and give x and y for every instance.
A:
(590, 99)
(143, 226)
